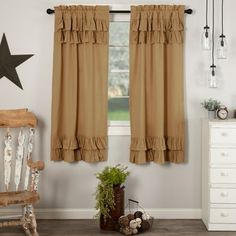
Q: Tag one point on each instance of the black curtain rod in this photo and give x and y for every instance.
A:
(187, 11)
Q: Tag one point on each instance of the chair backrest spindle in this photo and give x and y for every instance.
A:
(7, 159)
(19, 158)
(29, 154)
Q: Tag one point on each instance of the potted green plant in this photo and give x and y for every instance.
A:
(211, 105)
(110, 195)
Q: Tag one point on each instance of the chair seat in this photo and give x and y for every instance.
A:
(20, 197)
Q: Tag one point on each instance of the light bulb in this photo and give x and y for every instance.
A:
(222, 48)
(206, 42)
(212, 80)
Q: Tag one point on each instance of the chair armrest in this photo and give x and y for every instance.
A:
(38, 165)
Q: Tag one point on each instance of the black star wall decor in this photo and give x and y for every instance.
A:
(8, 62)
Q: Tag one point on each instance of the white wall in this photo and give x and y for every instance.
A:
(30, 30)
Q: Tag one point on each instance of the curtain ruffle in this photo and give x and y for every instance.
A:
(157, 149)
(175, 143)
(175, 156)
(154, 143)
(81, 148)
(175, 146)
(82, 24)
(147, 149)
(153, 24)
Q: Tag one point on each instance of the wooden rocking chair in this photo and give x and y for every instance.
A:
(19, 167)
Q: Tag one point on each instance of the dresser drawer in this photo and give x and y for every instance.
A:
(223, 136)
(218, 195)
(227, 216)
(223, 156)
(224, 175)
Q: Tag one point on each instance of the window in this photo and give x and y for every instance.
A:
(118, 82)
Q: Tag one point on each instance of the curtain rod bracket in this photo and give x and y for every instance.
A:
(187, 11)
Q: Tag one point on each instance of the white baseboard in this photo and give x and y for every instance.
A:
(63, 213)
(175, 213)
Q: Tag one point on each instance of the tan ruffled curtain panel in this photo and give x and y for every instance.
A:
(80, 72)
(156, 84)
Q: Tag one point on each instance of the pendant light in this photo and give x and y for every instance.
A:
(212, 78)
(222, 46)
(205, 42)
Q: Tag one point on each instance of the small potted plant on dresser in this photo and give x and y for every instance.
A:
(110, 196)
(211, 105)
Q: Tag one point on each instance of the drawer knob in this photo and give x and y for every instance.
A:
(224, 154)
(224, 173)
(224, 194)
(224, 214)
(224, 134)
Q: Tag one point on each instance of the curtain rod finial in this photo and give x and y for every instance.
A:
(50, 11)
(189, 11)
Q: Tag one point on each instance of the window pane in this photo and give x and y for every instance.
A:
(119, 33)
(118, 108)
(118, 58)
(118, 84)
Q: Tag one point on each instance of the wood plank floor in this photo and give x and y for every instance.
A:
(90, 228)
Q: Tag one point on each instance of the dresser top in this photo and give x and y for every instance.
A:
(219, 123)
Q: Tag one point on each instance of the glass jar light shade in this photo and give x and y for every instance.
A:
(205, 41)
(222, 49)
(212, 79)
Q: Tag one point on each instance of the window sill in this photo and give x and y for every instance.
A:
(118, 130)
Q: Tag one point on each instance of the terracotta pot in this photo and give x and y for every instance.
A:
(112, 223)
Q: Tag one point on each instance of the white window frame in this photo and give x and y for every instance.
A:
(117, 128)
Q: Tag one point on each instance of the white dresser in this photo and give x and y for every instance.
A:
(219, 174)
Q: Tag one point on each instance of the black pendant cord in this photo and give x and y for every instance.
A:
(213, 41)
(206, 27)
(222, 36)
(187, 11)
